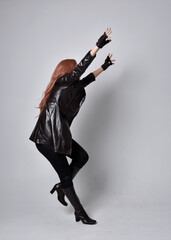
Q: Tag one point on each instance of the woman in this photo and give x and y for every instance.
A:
(61, 103)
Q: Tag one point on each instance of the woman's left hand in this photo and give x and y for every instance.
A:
(104, 39)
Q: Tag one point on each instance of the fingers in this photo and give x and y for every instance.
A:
(108, 31)
(110, 55)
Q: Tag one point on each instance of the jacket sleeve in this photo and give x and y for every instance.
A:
(88, 79)
(78, 70)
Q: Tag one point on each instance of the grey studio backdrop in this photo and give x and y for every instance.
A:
(124, 123)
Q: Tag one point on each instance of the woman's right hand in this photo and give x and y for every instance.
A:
(107, 62)
(104, 39)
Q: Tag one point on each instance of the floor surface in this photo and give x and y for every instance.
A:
(114, 222)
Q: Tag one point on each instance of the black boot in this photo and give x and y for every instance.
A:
(74, 170)
(57, 187)
(60, 193)
(80, 213)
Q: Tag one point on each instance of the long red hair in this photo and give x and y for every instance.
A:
(63, 67)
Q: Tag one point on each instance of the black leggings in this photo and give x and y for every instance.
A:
(60, 163)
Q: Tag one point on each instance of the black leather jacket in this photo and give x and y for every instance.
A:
(63, 104)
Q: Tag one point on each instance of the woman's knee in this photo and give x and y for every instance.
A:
(83, 158)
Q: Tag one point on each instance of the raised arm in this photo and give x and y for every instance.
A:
(81, 67)
(86, 61)
(78, 70)
(91, 77)
(104, 66)
(94, 51)
(98, 71)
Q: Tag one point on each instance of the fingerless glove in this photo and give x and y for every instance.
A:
(102, 41)
(107, 63)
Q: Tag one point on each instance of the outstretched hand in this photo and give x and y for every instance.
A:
(107, 62)
(108, 32)
(104, 39)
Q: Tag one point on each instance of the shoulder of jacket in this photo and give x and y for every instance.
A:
(62, 80)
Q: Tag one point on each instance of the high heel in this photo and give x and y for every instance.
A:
(60, 193)
(53, 189)
(77, 219)
(80, 213)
